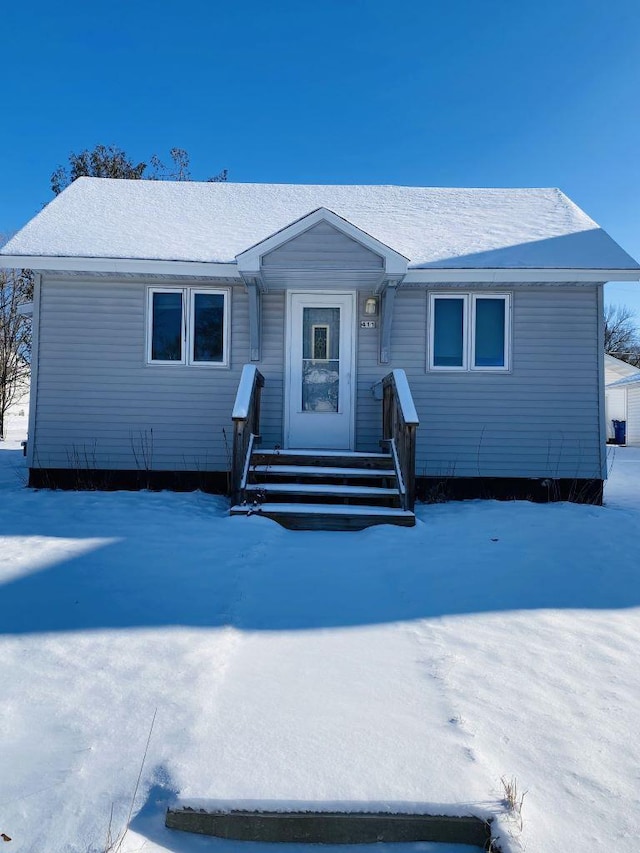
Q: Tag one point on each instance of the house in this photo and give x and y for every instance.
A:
(616, 395)
(176, 322)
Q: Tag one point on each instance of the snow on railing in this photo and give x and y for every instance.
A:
(405, 399)
(399, 424)
(244, 392)
(246, 427)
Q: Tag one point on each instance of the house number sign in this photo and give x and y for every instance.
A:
(367, 324)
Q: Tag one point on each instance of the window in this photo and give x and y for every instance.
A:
(489, 331)
(207, 327)
(449, 325)
(320, 334)
(166, 327)
(187, 326)
(469, 331)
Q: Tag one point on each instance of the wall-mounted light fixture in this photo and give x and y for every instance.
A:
(371, 306)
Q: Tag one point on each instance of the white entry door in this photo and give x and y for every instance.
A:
(319, 406)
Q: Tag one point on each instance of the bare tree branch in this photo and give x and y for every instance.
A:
(621, 335)
(16, 287)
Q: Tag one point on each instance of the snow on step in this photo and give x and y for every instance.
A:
(321, 509)
(345, 454)
(327, 717)
(321, 489)
(318, 471)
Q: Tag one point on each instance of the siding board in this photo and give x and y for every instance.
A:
(323, 246)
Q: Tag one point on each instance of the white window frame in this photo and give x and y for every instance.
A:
(157, 361)
(188, 321)
(209, 291)
(469, 332)
(432, 325)
(506, 298)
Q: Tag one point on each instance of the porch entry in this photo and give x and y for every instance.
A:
(320, 371)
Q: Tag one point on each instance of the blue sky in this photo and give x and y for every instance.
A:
(428, 92)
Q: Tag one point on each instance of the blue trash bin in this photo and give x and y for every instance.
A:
(620, 431)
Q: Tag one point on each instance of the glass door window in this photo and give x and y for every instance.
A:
(320, 359)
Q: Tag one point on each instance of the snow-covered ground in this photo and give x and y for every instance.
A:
(391, 669)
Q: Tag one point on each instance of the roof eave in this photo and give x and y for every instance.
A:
(126, 266)
(511, 275)
(439, 275)
(625, 382)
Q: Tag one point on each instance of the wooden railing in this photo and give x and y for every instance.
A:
(399, 424)
(246, 427)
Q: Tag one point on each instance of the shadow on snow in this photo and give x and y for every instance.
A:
(177, 560)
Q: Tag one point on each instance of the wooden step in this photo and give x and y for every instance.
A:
(322, 458)
(337, 472)
(323, 489)
(326, 493)
(347, 454)
(297, 516)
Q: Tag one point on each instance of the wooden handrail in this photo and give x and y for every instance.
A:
(399, 424)
(246, 427)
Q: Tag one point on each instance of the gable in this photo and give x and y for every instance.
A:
(322, 245)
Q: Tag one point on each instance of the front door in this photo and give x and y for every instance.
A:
(320, 371)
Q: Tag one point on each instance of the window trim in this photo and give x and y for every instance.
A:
(469, 331)
(188, 319)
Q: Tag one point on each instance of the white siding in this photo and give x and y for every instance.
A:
(633, 415)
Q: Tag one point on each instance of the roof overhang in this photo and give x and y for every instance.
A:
(429, 275)
(625, 382)
(128, 266)
(509, 275)
(249, 261)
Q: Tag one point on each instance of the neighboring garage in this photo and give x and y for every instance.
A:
(616, 372)
(631, 387)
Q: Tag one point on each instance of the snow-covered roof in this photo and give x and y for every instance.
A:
(213, 222)
(617, 367)
(634, 379)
